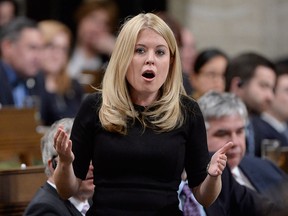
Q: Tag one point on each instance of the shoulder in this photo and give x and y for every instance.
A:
(93, 99)
(46, 201)
(188, 103)
(190, 107)
(259, 165)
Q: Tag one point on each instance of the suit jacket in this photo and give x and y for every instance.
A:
(6, 97)
(47, 202)
(237, 200)
(263, 130)
(265, 176)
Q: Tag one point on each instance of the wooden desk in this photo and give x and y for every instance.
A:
(17, 188)
(18, 135)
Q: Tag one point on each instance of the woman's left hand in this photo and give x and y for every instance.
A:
(219, 160)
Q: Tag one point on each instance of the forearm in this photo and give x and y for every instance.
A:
(66, 182)
(207, 192)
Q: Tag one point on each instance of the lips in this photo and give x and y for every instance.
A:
(148, 74)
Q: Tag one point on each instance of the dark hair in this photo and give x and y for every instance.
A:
(12, 30)
(244, 65)
(205, 56)
(282, 66)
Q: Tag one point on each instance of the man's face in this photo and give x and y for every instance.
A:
(257, 94)
(87, 187)
(280, 103)
(25, 53)
(225, 129)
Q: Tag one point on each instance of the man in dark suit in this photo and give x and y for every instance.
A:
(251, 76)
(46, 200)
(225, 117)
(272, 123)
(21, 46)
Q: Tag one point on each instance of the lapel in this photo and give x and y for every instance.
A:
(71, 208)
(253, 172)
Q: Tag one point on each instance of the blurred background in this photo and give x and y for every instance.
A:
(232, 25)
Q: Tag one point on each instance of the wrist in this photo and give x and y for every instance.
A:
(207, 171)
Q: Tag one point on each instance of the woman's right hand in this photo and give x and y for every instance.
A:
(63, 146)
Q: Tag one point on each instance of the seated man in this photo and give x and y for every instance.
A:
(46, 201)
(225, 117)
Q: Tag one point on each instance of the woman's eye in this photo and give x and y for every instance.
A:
(139, 50)
(160, 52)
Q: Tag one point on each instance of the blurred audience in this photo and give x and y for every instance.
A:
(209, 72)
(63, 94)
(95, 39)
(21, 84)
(251, 77)
(188, 50)
(8, 11)
(272, 124)
(225, 117)
(46, 200)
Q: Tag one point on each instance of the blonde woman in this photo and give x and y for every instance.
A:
(140, 131)
(63, 94)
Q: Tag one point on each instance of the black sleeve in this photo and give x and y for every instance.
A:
(196, 154)
(84, 127)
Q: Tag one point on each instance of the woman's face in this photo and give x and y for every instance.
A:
(55, 54)
(210, 76)
(149, 67)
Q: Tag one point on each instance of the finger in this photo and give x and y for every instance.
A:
(56, 136)
(226, 148)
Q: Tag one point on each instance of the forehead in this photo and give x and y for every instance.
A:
(264, 73)
(30, 33)
(149, 36)
(231, 122)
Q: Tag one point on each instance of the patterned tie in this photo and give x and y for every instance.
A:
(85, 208)
(190, 207)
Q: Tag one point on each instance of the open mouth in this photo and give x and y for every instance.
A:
(148, 74)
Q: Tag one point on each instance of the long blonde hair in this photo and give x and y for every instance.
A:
(117, 107)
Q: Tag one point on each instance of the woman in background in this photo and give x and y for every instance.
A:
(63, 94)
(209, 70)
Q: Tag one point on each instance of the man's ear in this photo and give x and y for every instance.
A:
(51, 166)
(236, 84)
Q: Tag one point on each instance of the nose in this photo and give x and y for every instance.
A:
(150, 58)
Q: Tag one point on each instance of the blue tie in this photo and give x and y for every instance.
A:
(250, 139)
(190, 207)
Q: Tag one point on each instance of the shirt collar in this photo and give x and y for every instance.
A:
(77, 203)
(279, 126)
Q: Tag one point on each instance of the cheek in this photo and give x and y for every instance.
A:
(130, 75)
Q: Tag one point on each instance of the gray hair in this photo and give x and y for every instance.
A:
(12, 30)
(215, 105)
(47, 141)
